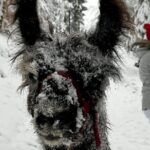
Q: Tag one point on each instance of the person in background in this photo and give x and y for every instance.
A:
(143, 53)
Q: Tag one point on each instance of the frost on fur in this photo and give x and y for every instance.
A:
(67, 76)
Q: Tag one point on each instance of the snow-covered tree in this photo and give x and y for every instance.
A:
(139, 10)
(52, 13)
(74, 15)
(2, 2)
(7, 13)
(64, 15)
(142, 11)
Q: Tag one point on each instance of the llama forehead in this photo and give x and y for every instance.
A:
(44, 58)
(56, 52)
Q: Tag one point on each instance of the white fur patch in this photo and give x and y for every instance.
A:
(72, 97)
(79, 119)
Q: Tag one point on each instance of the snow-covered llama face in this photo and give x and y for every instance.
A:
(55, 111)
(52, 99)
(67, 76)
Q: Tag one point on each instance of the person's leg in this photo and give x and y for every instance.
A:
(147, 114)
(144, 70)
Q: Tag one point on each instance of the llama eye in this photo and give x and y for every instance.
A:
(32, 77)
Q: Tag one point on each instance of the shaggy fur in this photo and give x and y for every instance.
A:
(56, 101)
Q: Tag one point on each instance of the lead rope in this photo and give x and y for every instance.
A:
(96, 129)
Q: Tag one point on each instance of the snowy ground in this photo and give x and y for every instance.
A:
(130, 127)
(16, 131)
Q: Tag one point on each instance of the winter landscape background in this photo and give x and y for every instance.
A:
(129, 125)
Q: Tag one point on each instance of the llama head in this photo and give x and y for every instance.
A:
(67, 75)
(55, 96)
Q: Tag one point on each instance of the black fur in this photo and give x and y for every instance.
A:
(28, 20)
(89, 61)
(113, 22)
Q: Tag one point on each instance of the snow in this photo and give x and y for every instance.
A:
(1, 6)
(79, 119)
(93, 12)
(12, 8)
(130, 126)
(16, 132)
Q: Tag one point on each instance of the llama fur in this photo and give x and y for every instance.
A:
(88, 58)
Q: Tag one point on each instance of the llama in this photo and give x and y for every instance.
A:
(67, 76)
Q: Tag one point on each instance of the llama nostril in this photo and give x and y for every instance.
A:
(41, 120)
(51, 121)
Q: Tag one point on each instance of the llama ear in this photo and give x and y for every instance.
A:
(28, 21)
(113, 21)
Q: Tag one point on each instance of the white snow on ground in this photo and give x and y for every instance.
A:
(130, 127)
(16, 132)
